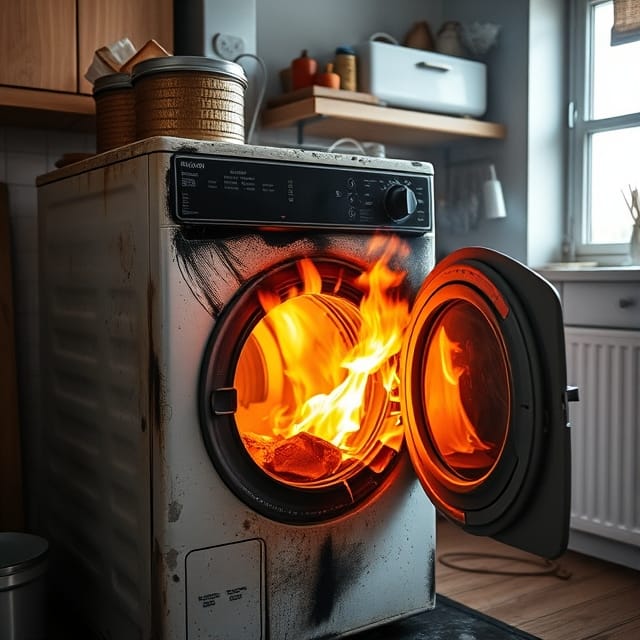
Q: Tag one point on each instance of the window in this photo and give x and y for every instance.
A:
(604, 141)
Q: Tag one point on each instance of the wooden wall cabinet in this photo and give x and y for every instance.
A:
(46, 48)
(101, 22)
(38, 45)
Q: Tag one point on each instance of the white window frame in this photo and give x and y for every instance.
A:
(581, 127)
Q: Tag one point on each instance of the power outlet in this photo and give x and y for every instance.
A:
(228, 47)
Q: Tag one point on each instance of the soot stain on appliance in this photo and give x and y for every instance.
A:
(126, 252)
(158, 593)
(171, 558)
(431, 583)
(175, 509)
(214, 269)
(203, 264)
(337, 568)
(156, 392)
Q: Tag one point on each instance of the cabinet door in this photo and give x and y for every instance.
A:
(38, 44)
(101, 22)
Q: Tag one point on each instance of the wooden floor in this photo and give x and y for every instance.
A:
(598, 601)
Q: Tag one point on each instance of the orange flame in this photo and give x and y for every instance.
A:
(328, 350)
(454, 432)
(337, 413)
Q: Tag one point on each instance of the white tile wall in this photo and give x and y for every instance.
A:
(25, 154)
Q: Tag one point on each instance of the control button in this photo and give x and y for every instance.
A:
(400, 202)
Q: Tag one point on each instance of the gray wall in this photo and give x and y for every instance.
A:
(547, 108)
(507, 104)
(285, 28)
(526, 76)
(526, 92)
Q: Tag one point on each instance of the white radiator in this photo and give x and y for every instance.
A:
(605, 436)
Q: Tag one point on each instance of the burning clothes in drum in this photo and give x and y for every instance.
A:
(311, 367)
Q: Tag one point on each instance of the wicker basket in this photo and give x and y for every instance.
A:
(190, 97)
(115, 111)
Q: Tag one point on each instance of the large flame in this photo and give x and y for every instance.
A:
(449, 422)
(328, 350)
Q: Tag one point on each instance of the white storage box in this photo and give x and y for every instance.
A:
(422, 80)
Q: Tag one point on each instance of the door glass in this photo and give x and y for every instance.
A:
(466, 384)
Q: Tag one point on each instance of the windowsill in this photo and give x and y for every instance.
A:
(610, 257)
(597, 273)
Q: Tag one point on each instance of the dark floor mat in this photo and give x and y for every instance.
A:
(449, 620)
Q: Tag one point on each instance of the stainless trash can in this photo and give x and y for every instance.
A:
(23, 564)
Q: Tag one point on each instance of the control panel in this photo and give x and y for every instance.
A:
(213, 190)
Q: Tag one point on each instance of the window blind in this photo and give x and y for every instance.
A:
(626, 21)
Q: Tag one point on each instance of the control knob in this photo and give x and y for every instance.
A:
(399, 202)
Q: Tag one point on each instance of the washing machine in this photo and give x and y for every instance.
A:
(259, 386)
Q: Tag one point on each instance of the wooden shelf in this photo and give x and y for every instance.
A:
(46, 109)
(328, 117)
(318, 114)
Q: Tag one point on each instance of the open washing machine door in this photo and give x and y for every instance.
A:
(484, 399)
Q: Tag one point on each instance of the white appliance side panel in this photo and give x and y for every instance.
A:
(94, 497)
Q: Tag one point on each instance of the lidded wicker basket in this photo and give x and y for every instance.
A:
(115, 111)
(190, 97)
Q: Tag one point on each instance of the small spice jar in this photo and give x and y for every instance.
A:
(345, 65)
(190, 97)
(115, 112)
